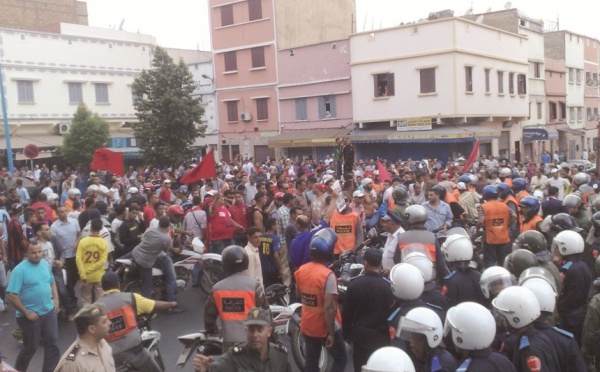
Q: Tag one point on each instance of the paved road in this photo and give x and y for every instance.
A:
(170, 326)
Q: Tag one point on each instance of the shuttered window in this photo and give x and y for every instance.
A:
(262, 109)
(101, 92)
(258, 57)
(226, 15)
(327, 107)
(301, 112)
(75, 93)
(427, 80)
(230, 61)
(254, 10)
(25, 91)
(232, 111)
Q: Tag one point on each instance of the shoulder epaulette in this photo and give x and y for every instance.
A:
(280, 347)
(237, 350)
(524, 342)
(434, 306)
(450, 275)
(386, 280)
(567, 266)
(73, 353)
(563, 332)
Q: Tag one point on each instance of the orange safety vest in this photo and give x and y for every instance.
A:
(430, 247)
(511, 198)
(311, 278)
(455, 193)
(496, 215)
(234, 305)
(344, 226)
(508, 181)
(68, 205)
(521, 195)
(531, 224)
(123, 321)
(450, 198)
(234, 296)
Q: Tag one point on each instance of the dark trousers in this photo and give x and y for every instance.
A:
(72, 277)
(337, 352)
(217, 246)
(271, 278)
(63, 295)
(45, 329)
(494, 254)
(364, 343)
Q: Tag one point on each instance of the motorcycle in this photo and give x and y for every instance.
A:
(150, 340)
(131, 282)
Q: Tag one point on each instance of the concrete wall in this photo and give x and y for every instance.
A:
(308, 22)
(37, 14)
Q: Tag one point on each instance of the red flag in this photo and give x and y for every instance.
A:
(108, 160)
(471, 160)
(384, 175)
(206, 169)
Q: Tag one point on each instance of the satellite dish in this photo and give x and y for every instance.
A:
(479, 19)
(508, 5)
(488, 10)
(121, 24)
(469, 12)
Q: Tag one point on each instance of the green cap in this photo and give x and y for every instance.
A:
(258, 316)
(91, 311)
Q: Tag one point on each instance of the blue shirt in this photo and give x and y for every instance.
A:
(4, 217)
(32, 283)
(66, 233)
(438, 217)
(23, 195)
(299, 247)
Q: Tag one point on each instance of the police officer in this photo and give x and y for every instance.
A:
(535, 242)
(431, 296)
(530, 349)
(540, 283)
(581, 181)
(416, 215)
(321, 319)
(576, 282)
(472, 329)
(574, 204)
(400, 196)
(423, 329)
(389, 359)
(520, 260)
(462, 284)
(591, 334)
(366, 308)
(348, 227)
(519, 187)
(257, 354)
(506, 197)
(126, 342)
(494, 219)
(530, 217)
(233, 297)
(89, 352)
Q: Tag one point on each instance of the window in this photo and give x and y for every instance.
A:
(25, 91)
(487, 80)
(590, 115)
(254, 10)
(571, 114)
(258, 57)
(500, 82)
(232, 111)
(537, 69)
(469, 78)
(226, 15)
(327, 107)
(511, 83)
(540, 108)
(571, 76)
(75, 93)
(384, 85)
(563, 111)
(596, 114)
(579, 114)
(135, 98)
(427, 80)
(579, 74)
(522, 84)
(262, 109)
(588, 78)
(230, 61)
(553, 113)
(301, 112)
(595, 78)
(101, 92)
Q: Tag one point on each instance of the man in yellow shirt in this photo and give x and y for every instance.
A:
(91, 255)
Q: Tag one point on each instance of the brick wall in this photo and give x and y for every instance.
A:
(38, 14)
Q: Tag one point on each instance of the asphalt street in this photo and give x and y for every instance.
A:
(170, 326)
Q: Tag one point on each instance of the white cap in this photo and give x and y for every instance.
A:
(229, 176)
(461, 186)
(555, 170)
(211, 192)
(133, 190)
(366, 181)
(167, 181)
(329, 171)
(358, 194)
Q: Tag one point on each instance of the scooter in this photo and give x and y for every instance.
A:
(150, 340)
(208, 266)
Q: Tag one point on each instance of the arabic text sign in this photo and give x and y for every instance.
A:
(414, 124)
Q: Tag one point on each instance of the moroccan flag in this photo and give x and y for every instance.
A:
(471, 160)
(206, 169)
(384, 175)
(104, 159)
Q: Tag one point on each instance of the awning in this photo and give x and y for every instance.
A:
(43, 141)
(531, 134)
(308, 137)
(576, 132)
(371, 136)
(439, 134)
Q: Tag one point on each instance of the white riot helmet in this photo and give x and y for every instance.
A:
(543, 291)
(518, 305)
(458, 248)
(424, 321)
(53, 197)
(93, 188)
(493, 280)
(567, 243)
(423, 263)
(505, 172)
(408, 282)
(538, 273)
(73, 192)
(389, 359)
(572, 201)
(415, 214)
(472, 326)
(580, 178)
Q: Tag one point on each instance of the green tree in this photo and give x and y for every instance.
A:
(88, 132)
(168, 114)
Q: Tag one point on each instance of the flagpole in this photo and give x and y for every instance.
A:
(9, 154)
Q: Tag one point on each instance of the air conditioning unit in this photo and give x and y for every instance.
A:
(245, 116)
(64, 128)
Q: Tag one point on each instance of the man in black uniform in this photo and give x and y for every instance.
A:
(528, 348)
(366, 308)
(577, 280)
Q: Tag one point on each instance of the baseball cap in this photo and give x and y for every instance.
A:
(211, 192)
(110, 280)
(555, 170)
(461, 186)
(133, 190)
(279, 195)
(258, 316)
(167, 181)
(321, 187)
(229, 176)
(366, 181)
(358, 194)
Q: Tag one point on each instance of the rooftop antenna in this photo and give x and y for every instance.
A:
(508, 5)
(489, 10)
(365, 22)
(121, 24)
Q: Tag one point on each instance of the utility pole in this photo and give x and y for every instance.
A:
(9, 154)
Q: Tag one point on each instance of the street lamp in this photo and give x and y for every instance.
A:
(209, 78)
(9, 154)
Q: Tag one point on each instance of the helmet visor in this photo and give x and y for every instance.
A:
(449, 325)
(496, 284)
(540, 273)
(457, 231)
(415, 247)
(409, 329)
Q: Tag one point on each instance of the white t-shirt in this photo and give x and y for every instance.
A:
(101, 191)
(560, 184)
(48, 252)
(114, 227)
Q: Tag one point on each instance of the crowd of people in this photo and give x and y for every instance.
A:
(285, 221)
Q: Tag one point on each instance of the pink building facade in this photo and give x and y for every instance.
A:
(591, 61)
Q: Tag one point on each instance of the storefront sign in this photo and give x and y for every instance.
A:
(535, 134)
(414, 124)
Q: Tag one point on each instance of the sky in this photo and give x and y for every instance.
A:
(184, 23)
